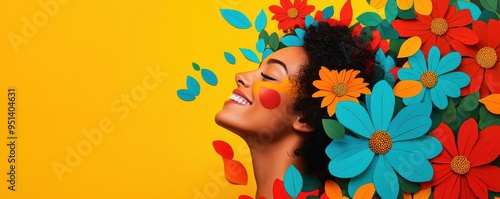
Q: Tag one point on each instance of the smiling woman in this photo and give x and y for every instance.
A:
(275, 102)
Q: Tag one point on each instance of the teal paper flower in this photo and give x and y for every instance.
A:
(384, 145)
(437, 80)
(386, 63)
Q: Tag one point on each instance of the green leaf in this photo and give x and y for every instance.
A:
(487, 15)
(407, 14)
(488, 123)
(311, 182)
(333, 129)
(263, 35)
(490, 5)
(470, 102)
(407, 186)
(497, 162)
(485, 117)
(436, 118)
(369, 19)
(395, 45)
(450, 113)
(386, 30)
(196, 66)
(274, 41)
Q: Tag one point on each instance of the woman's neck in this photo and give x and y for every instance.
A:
(271, 160)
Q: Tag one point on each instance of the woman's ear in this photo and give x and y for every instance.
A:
(298, 125)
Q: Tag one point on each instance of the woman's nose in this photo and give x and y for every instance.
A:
(243, 79)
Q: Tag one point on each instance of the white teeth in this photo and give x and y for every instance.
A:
(239, 99)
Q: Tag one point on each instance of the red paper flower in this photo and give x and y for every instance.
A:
(463, 173)
(480, 61)
(290, 15)
(442, 27)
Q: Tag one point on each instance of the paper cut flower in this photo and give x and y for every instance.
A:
(461, 172)
(481, 61)
(336, 87)
(443, 26)
(385, 145)
(436, 77)
(387, 64)
(290, 15)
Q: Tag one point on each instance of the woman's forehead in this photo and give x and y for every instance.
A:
(292, 57)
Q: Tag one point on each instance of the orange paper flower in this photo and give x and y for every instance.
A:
(290, 15)
(463, 172)
(336, 87)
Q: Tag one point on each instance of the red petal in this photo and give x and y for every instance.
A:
(283, 25)
(384, 45)
(286, 4)
(244, 197)
(461, 18)
(465, 51)
(439, 8)
(425, 19)
(357, 31)
(470, 67)
(443, 158)
(449, 188)
(304, 195)
(427, 44)
(409, 28)
(299, 4)
(489, 175)
(279, 190)
(276, 9)
(483, 90)
(346, 13)
(223, 149)
(375, 40)
(494, 31)
(235, 172)
(486, 148)
(442, 172)
(444, 134)
(304, 12)
(463, 34)
(481, 30)
(467, 136)
(300, 22)
(491, 77)
(318, 16)
(443, 46)
(477, 185)
(450, 12)
(465, 190)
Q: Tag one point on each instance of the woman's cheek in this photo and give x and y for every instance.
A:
(269, 98)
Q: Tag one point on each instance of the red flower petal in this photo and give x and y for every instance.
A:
(470, 67)
(449, 188)
(465, 51)
(443, 158)
(279, 191)
(346, 13)
(223, 149)
(459, 19)
(491, 77)
(489, 175)
(493, 31)
(465, 190)
(277, 10)
(235, 172)
(428, 43)
(467, 136)
(409, 28)
(483, 90)
(306, 11)
(299, 4)
(463, 34)
(481, 30)
(477, 185)
(486, 148)
(375, 40)
(442, 172)
(425, 19)
(439, 8)
(286, 4)
(444, 134)
(442, 44)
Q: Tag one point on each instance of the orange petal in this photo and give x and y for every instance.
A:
(326, 75)
(235, 172)
(422, 194)
(407, 88)
(378, 4)
(323, 85)
(353, 75)
(365, 192)
(321, 93)
(423, 7)
(492, 103)
(333, 106)
(404, 4)
(410, 47)
(332, 190)
(327, 100)
(347, 76)
(355, 82)
(341, 76)
(363, 90)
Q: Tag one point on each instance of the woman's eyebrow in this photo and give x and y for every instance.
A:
(275, 61)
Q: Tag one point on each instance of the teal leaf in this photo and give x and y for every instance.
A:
(185, 95)
(369, 19)
(293, 181)
(261, 21)
(260, 46)
(470, 102)
(474, 10)
(391, 10)
(195, 66)
(274, 41)
(209, 77)
(490, 5)
(487, 15)
(292, 40)
(407, 186)
(407, 14)
(333, 129)
(328, 12)
(311, 182)
(310, 21)
(193, 86)
(229, 58)
(250, 55)
(387, 32)
(236, 18)
(266, 53)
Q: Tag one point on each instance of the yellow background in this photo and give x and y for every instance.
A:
(80, 62)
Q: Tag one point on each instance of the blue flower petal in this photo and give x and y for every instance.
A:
(266, 53)
(328, 12)
(474, 10)
(439, 97)
(433, 58)
(345, 146)
(459, 78)
(417, 62)
(351, 166)
(427, 146)
(382, 105)
(409, 74)
(389, 64)
(450, 88)
(415, 99)
(354, 117)
(300, 33)
(389, 78)
(448, 63)
(411, 122)
(380, 56)
(427, 96)
(410, 165)
(363, 178)
(292, 40)
(385, 179)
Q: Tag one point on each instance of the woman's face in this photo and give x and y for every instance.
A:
(262, 103)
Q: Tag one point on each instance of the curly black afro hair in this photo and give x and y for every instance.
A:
(334, 48)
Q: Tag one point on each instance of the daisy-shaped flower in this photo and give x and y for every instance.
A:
(481, 61)
(384, 145)
(438, 80)
(336, 87)
(443, 26)
(463, 172)
(290, 15)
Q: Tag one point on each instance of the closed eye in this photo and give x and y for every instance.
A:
(267, 77)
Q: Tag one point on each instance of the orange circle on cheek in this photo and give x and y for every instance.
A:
(269, 98)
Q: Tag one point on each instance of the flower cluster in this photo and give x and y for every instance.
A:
(441, 81)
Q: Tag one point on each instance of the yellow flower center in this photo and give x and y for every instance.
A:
(429, 79)
(292, 13)
(486, 57)
(439, 26)
(380, 142)
(460, 165)
(339, 89)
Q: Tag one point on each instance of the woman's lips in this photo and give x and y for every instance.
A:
(240, 98)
